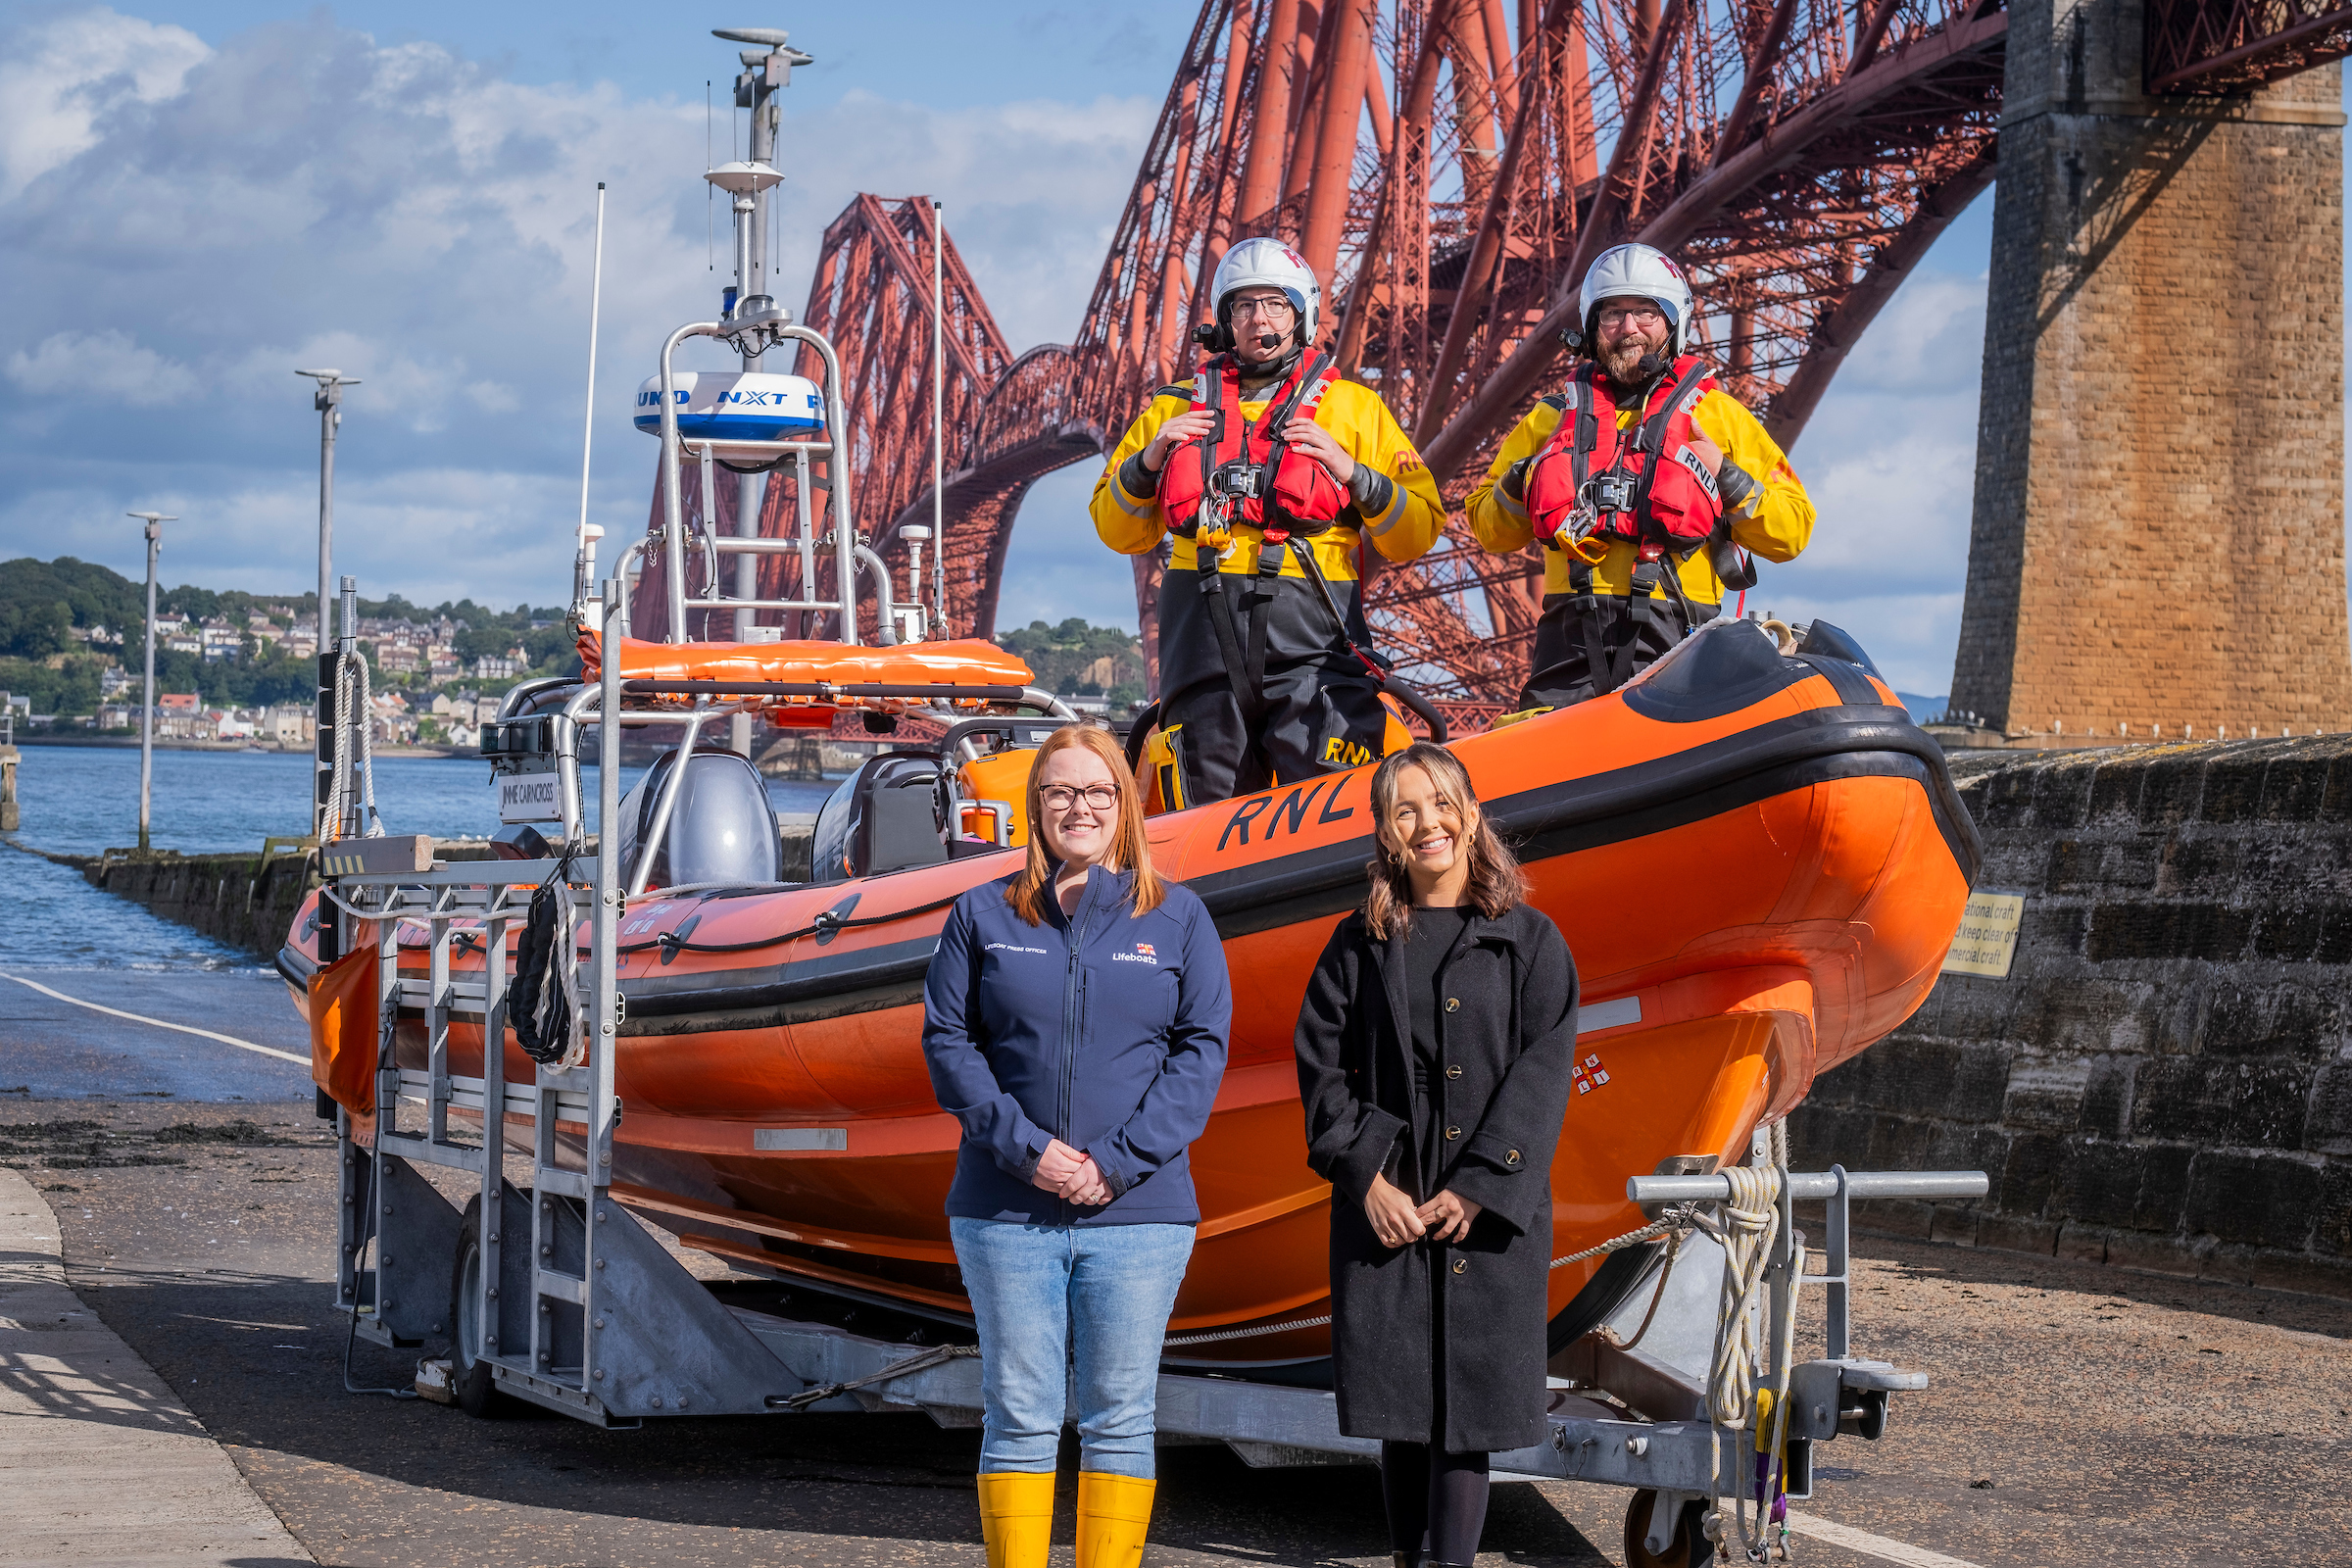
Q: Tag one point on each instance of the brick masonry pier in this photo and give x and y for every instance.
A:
(2164, 1079)
(2158, 534)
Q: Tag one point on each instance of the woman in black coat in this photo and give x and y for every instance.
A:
(1435, 1054)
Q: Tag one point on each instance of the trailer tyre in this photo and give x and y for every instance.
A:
(1690, 1548)
(468, 1375)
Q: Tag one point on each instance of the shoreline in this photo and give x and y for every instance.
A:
(131, 743)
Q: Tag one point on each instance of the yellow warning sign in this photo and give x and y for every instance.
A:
(1987, 936)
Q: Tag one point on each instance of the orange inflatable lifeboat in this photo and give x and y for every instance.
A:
(1758, 861)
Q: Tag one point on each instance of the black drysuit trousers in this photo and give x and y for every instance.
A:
(1319, 707)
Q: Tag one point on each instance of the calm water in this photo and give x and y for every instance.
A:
(84, 799)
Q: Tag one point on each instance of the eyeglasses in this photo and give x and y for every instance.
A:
(1266, 310)
(1061, 797)
(1635, 314)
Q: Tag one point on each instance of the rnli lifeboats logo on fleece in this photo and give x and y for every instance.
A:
(1142, 954)
(1591, 1075)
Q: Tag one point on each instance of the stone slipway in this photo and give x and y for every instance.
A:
(99, 1463)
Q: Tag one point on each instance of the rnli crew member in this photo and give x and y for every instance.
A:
(1644, 481)
(1271, 472)
(1436, 1048)
(1075, 1021)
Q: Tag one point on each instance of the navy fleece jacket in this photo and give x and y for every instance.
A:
(1103, 1028)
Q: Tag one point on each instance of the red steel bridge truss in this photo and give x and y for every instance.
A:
(1449, 166)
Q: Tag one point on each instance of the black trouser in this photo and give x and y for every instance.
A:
(1562, 675)
(1435, 1498)
(1318, 719)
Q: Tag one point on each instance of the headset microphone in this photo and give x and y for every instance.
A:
(1268, 340)
(1650, 367)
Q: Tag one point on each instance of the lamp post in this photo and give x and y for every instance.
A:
(155, 521)
(330, 404)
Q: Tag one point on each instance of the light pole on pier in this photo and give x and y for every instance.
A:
(155, 521)
(330, 404)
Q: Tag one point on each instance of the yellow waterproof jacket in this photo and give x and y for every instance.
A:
(1779, 525)
(1403, 531)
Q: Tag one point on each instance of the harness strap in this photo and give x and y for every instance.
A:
(1650, 440)
(1248, 683)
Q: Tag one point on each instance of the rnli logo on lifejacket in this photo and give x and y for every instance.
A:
(1344, 752)
(1698, 470)
(1142, 954)
(1591, 1075)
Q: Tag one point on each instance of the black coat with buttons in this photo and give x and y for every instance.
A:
(1506, 1028)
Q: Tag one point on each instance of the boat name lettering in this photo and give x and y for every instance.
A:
(1292, 810)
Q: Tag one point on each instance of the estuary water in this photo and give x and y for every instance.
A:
(81, 799)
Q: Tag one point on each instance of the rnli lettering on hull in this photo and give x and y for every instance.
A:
(1289, 811)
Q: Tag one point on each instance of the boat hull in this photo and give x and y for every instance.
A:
(1753, 893)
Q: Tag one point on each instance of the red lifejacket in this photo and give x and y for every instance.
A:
(1239, 457)
(1671, 500)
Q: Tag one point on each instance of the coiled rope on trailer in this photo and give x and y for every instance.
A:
(351, 819)
(539, 999)
(1746, 1230)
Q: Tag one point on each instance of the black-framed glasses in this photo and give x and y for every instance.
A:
(1640, 315)
(1061, 797)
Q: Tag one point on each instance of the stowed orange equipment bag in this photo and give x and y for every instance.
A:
(1669, 492)
(1305, 497)
(344, 1020)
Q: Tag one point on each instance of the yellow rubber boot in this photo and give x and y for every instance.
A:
(1016, 1517)
(1115, 1515)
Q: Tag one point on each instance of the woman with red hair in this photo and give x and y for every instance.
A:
(1075, 1021)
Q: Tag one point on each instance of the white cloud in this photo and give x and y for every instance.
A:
(60, 79)
(303, 196)
(104, 368)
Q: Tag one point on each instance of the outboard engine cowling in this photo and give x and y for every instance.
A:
(721, 830)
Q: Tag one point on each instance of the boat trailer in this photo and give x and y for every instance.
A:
(550, 1291)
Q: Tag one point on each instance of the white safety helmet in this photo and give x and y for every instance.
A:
(1270, 264)
(1644, 273)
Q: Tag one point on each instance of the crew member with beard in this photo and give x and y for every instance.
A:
(1644, 481)
(1271, 472)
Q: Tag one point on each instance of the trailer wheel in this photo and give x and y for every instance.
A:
(1690, 1548)
(468, 1375)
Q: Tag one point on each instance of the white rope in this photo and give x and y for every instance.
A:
(1752, 1218)
(1747, 1231)
(347, 818)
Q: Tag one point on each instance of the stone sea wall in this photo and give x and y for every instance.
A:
(246, 901)
(2164, 1079)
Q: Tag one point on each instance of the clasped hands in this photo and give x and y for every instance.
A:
(1303, 435)
(1396, 1221)
(1071, 1176)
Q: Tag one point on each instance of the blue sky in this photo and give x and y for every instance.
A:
(195, 198)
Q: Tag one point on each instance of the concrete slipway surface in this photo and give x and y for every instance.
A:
(184, 1401)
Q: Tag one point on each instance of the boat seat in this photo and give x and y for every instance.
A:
(884, 818)
(721, 830)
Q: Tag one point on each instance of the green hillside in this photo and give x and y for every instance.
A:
(41, 602)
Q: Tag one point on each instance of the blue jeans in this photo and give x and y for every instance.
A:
(1070, 1314)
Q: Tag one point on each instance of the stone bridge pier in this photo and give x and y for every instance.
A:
(2158, 532)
